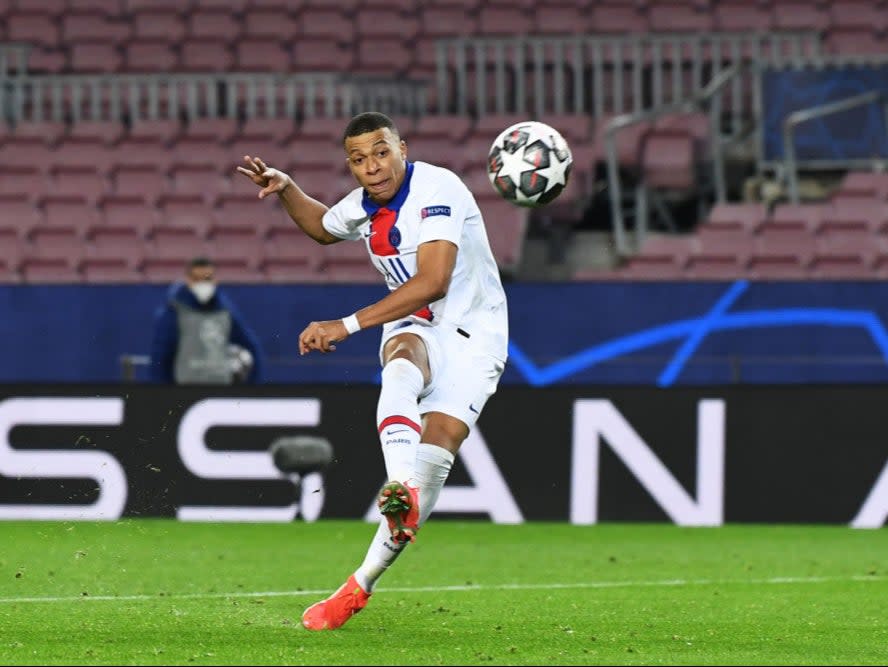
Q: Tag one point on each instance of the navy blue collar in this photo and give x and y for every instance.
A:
(370, 206)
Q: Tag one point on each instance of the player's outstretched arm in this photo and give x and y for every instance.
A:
(305, 211)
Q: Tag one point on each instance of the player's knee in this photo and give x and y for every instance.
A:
(445, 431)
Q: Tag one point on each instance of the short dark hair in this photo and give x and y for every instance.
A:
(369, 121)
(199, 262)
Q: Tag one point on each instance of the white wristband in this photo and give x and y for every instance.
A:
(351, 324)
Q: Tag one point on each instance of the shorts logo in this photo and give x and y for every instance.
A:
(429, 211)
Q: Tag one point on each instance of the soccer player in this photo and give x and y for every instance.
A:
(444, 325)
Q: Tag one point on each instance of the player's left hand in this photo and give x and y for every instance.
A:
(322, 336)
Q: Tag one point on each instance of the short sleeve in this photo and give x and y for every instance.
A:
(339, 223)
(443, 214)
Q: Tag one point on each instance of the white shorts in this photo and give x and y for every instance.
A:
(462, 377)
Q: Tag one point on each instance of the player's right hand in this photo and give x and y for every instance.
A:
(269, 179)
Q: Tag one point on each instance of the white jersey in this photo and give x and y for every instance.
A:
(432, 204)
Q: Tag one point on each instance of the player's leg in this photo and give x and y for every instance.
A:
(442, 435)
(404, 376)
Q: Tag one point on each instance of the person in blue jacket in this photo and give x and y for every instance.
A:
(200, 338)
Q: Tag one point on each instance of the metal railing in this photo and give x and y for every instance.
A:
(793, 120)
(710, 100)
(602, 75)
(113, 97)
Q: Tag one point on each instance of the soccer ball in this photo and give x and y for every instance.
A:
(529, 163)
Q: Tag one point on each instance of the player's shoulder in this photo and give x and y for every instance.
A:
(433, 178)
(350, 202)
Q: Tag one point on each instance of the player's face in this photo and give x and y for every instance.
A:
(378, 161)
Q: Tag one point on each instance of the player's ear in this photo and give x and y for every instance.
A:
(403, 148)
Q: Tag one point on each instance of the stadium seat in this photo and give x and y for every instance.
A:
(678, 16)
(259, 55)
(162, 131)
(65, 210)
(14, 246)
(386, 23)
(237, 242)
(506, 228)
(176, 243)
(55, 270)
(95, 58)
(89, 26)
(246, 212)
(131, 211)
(86, 182)
(17, 180)
(347, 261)
(237, 270)
(617, 17)
(204, 181)
(269, 24)
(327, 22)
(162, 269)
(115, 241)
(218, 24)
(781, 254)
(438, 22)
(159, 25)
(314, 54)
(28, 133)
(150, 56)
(35, 27)
(206, 55)
(18, 212)
(109, 270)
(668, 160)
(864, 184)
(285, 241)
(660, 257)
(800, 15)
(742, 15)
(185, 211)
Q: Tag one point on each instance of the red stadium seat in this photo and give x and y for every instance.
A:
(237, 242)
(218, 24)
(185, 211)
(115, 242)
(150, 57)
(86, 182)
(272, 25)
(95, 58)
(162, 269)
(56, 270)
(109, 271)
(176, 243)
(206, 55)
(131, 211)
(90, 26)
(160, 25)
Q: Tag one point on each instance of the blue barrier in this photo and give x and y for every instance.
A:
(659, 334)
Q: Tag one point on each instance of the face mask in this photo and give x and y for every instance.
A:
(204, 290)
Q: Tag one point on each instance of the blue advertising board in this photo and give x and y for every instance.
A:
(857, 134)
(643, 333)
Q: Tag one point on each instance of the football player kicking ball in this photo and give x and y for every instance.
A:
(444, 326)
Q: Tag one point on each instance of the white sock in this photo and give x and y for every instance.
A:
(433, 464)
(382, 552)
(397, 417)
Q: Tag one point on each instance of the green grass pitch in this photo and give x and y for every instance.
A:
(153, 591)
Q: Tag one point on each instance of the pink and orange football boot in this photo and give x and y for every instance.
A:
(333, 612)
(399, 504)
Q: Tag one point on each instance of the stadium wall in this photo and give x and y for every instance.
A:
(654, 334)
(692, 456)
